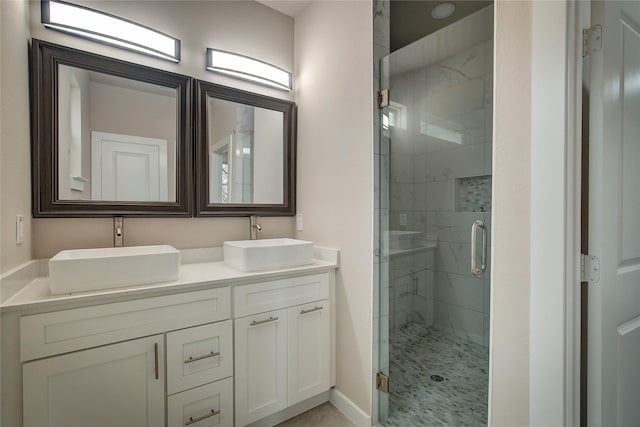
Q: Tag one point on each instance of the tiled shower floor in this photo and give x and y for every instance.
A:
(417, 353)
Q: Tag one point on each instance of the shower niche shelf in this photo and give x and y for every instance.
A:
(473, 194)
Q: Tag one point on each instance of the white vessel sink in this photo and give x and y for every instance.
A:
(267, 254)
(404, 239)
(81, 270)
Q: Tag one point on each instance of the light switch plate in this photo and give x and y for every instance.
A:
(299, 224)
(19, 229)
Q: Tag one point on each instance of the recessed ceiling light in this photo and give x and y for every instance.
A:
(443, 10)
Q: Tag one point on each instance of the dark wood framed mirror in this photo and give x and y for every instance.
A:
(109, 137)
(245, 153)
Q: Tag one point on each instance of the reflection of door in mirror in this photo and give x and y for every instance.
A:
(231, 153)
(92, 103)
(245, 153)
(128, 168)
(73, 106)
(220, 186)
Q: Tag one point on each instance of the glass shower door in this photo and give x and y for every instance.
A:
(434, 185)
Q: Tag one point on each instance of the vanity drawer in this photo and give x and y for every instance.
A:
(199, 355)
(64, 331)
(277, 294)
(205, 406)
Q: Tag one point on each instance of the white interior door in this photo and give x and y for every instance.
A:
(128, 168)
(614, 218)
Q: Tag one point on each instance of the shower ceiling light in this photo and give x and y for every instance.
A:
(246, 68)
(104, 28)
(443, 10)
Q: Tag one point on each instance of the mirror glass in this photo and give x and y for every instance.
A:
(245, 153)
(116, 138)
(245, 146)
(109, 137)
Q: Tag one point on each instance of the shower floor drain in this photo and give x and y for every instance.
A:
(437, 378)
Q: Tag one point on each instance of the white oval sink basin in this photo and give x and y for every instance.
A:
(267, 254)
(80, 270)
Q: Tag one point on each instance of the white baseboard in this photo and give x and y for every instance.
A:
(349, 409)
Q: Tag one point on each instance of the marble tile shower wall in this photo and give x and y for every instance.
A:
(440, 131)
(411, 287)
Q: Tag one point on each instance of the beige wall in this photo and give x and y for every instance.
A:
(57, 234)
(509, 348)
(242, 26)
(333, 74)
(15, 190)
(245, 27)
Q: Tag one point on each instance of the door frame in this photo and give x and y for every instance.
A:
(555, 227)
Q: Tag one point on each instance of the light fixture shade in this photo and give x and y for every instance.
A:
(104, 28)
(246, 68)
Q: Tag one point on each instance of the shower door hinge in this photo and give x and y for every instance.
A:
(591, 40)
(589, 269)
(382, 382)
(383, 98)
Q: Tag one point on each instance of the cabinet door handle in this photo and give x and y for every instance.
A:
(155, 350)
(258, 322)
(206, 356)
(311, 310)
(195, 420)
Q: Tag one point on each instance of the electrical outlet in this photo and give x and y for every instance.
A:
(19, 229)
(403, 220)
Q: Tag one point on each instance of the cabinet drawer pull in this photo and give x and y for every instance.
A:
(311, 310)
(195, 420)
(258, 322)
(193, 359)
(155, 350)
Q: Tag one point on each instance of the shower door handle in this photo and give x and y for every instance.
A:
(478, 272)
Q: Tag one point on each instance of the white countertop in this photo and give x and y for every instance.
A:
(200, 268)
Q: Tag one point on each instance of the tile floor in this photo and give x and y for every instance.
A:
(325, 415)
(460, 399)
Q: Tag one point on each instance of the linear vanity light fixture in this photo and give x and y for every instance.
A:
(246, 68)
(109, 29)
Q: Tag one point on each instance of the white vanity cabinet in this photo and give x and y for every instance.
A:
(115, 385)
(249, 348)
(308, 350)
(205, 406)
(199, 371)
(261, 365)
(282, 356)
(115, 372)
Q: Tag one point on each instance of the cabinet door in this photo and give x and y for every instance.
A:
(309, 351)
(199, 355)
(261, 365)
(205, 406)
(115, 385)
